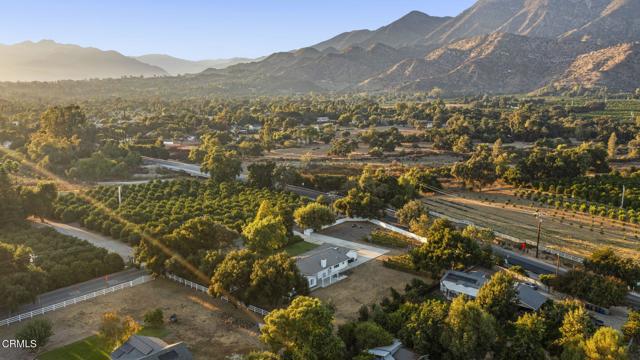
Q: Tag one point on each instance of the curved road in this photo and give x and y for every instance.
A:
(118, 247)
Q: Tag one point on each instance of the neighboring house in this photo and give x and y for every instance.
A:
(395, 351)
(454, 283)
(324, 265)
(323, 120)
(150, 348)
(529, 298)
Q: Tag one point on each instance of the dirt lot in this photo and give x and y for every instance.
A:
(367, 284)
(568, 231)
(211, 328)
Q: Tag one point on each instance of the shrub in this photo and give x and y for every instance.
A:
(37, 331)
(154, 318)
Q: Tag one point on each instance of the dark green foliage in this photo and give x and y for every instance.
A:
(59, 261)
(447, 248)
(605, 291)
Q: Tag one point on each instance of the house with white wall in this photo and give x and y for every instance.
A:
(325, 264)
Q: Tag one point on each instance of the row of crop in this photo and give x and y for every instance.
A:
(605, 189)
(158, 208)
(76, 260)
(559, 201)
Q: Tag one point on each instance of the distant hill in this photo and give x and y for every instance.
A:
(495, 46)
(177, 66)
(48, 61)
(409, 30)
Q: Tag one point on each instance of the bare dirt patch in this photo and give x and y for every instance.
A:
(211, 328)
(367, 284)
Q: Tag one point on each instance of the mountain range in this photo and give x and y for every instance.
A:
(47, 60)
(495, 46)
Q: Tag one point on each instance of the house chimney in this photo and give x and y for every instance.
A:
(323, 263)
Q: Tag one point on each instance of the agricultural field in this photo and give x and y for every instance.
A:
(47, 260)
(565, 230)
(161, 207)
(212, 328)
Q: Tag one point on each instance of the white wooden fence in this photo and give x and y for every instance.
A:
(61, 305)
(205, 290)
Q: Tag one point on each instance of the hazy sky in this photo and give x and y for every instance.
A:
(198, 29)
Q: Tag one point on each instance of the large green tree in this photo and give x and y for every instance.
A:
(479, 171)
(303, 331)
(314, 216)
(499, 296)
(470, 331)
(222, 165)
(275, 280)
(423, 329)
(266, 235)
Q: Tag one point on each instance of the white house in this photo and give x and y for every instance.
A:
(454, 283)
(325, 264)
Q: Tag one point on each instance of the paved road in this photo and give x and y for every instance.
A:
(80, 289)
(118, 247)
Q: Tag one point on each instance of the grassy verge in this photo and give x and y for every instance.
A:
(299, 248)
(93, 348)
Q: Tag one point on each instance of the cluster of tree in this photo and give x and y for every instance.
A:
(601, 290)
(160, 207)
(110, 161)
(386, 140)
(489, 326)
(448, 248)
(39, 260)
(376, 188)
(603, 189)
(606, 262)
(560, 163)
(19, 202)
(265, 280)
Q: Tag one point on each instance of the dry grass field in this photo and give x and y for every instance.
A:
(366, 284)
(568, 231)
(211, 328)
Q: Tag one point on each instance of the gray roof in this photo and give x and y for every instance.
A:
(150, 348)
(529, 298)
(309, 262)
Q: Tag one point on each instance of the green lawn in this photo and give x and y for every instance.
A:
(92, 348)
(299, 248)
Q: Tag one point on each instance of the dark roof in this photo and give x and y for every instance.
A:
(529, 298)
(150, 348)
(309, 262)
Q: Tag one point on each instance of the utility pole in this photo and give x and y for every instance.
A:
(622, 201)
(119, 195)
(539, 230)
